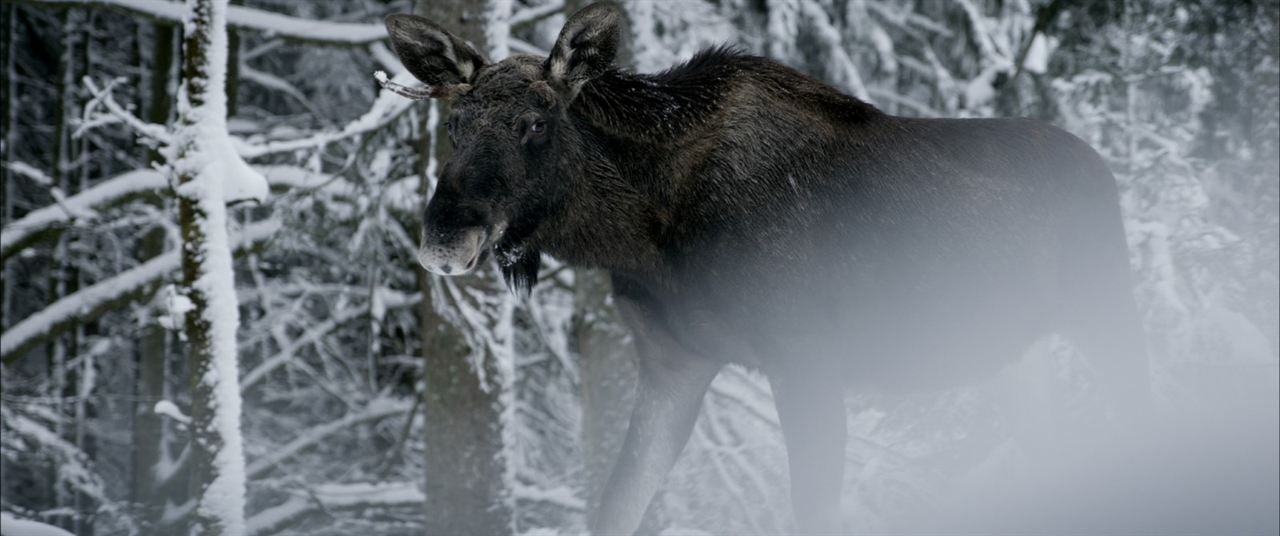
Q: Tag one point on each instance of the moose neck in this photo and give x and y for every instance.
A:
(641, 142)
(629, 152)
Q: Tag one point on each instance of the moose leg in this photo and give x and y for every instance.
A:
(669, 392)
(1110, 336)
(811, 410)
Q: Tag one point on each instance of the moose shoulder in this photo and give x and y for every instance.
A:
(749, 214)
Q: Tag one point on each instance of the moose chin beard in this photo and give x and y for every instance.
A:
(519, 265)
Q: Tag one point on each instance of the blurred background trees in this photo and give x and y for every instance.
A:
(380, 399)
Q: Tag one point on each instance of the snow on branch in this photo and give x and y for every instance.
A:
(842, 69)
(115, 113)
(524, 47)
(385, 108)
(901, 16)
(535, 13)
(337, 496)
(29, 432)
(28, 527)
(106, 295)
(560, 496)
(317, 32)
(30, 172)
(290, 347)
(377, 409)
(25, 230)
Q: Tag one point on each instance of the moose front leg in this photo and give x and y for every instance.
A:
(810, 402)
(669, 391)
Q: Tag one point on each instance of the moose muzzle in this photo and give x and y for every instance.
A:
(455, 253)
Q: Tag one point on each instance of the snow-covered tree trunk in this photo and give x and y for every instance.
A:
(467, 388)
(209, 173)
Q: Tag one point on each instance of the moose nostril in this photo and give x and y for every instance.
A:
(446, 269)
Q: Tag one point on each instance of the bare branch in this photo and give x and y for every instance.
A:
(376, 410)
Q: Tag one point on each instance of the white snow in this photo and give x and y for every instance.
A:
(176, 306)
(30, 172)
(170, 410)
(271, 24)
(80, 206)
(12, 526)
(339, 495)
(1038, 54)
(85, 300)
(334, 496)
(202, 152)
(132, 280)
(497, 31)
(385, 108)
(377, 409)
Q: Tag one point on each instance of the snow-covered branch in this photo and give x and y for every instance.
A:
(115, 113)
(107, 295)
(535, 13)
(44, 221)
(386, 108)
(292, 28)
(377, 409)
(27, 229)
(336, 496)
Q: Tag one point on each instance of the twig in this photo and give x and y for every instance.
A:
(415, 93)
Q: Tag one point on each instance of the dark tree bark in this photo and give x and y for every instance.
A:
(150, 350)
(233, 67)
(465, 450)
(7, 39)
(607, 372)
(217, 466)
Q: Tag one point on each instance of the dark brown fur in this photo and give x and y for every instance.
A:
(750, 214)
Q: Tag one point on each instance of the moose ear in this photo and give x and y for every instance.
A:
(586, 47)
(432, 54)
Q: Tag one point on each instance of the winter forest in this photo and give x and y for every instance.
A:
(213, 322)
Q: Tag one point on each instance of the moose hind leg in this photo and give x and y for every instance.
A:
(1101, 320)
(811, 410)
(1113, 343)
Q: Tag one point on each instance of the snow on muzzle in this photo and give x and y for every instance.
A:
(457, 254)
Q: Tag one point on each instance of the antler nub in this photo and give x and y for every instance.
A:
(415, 93)
(423, 92)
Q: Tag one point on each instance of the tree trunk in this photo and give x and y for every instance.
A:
(466, 462)
(61, 272)
(607, 369)
(218, 478)
(607, 372)
(233, 67)
(150, 350)
(7, 88)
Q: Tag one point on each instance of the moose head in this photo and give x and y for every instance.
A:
(512, 137)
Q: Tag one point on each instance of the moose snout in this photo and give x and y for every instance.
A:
(454, 253)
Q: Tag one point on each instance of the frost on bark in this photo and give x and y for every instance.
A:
(209, 174)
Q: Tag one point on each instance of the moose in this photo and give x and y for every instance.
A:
(748, 214)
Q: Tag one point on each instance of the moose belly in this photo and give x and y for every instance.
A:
(900, 324)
